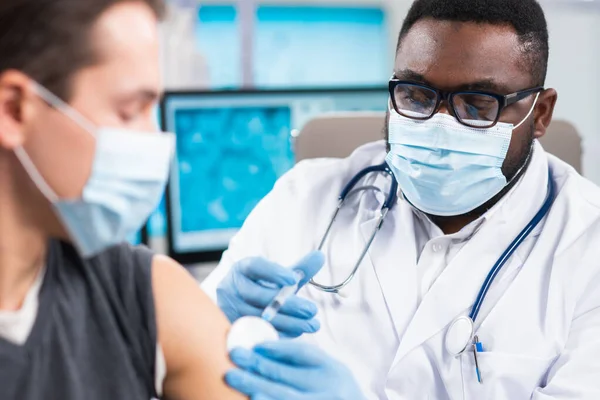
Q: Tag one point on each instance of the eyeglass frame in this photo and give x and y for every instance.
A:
(448, 96)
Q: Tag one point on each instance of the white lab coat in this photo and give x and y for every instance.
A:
(540, 323)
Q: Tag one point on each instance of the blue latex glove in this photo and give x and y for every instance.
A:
(291, 370)
(254, 282)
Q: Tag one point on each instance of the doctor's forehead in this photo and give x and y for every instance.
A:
(452, 55)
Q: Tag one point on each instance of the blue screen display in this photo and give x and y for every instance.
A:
(218, 39)
(229, 159)
(320, 46)
(297, 46)
(231, 149)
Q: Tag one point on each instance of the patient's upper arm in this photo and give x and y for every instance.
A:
(192, 333)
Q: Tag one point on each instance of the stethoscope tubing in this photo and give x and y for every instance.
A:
(521, 237)
(390, 202)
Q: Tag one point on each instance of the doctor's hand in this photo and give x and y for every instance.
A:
(254, 282)
(291, 370)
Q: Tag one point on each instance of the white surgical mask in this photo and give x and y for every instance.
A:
(445, 168)
(129, 173)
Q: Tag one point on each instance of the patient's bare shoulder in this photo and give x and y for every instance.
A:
(192, 333)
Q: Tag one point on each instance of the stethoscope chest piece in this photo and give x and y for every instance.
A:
(459, 336)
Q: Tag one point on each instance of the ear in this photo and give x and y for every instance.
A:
(15, 90)
(543, 112)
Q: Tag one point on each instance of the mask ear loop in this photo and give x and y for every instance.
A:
(21, 154)
(531, 148)
(35, 175)
(56, 102)
(529, 113)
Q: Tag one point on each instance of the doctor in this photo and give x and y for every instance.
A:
(484, 279)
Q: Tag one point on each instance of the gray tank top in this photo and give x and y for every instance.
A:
(95, 332)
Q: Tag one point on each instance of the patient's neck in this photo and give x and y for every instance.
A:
(22, 243)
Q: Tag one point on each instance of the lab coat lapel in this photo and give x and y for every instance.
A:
(393, 257)
(457, 287)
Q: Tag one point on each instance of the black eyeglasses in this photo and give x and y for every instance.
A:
(471, 108)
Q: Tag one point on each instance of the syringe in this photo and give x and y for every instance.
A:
(284, 294)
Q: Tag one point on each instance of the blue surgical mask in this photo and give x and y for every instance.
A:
(445, 168)
(129, 173)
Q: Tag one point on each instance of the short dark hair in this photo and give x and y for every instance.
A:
(50, 40)
(525, 16)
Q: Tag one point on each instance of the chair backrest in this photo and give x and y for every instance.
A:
(337, 135)
(563, 141)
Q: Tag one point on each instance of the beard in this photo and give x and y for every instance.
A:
(514, 167)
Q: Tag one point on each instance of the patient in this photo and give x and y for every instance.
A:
(81, 315)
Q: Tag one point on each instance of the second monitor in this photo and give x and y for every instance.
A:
(231, 148)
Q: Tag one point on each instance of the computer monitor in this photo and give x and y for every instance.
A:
(231, 148)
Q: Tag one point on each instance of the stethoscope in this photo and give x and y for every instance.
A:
(460, 335)
(389, 203)
(461, 332)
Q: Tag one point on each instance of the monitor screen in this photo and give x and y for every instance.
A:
(231, 148)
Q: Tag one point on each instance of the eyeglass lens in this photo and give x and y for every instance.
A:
(473, 109)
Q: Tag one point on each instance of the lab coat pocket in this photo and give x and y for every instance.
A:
(504, 376)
